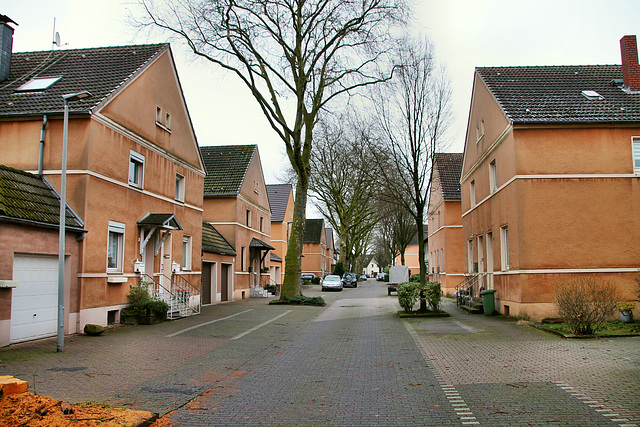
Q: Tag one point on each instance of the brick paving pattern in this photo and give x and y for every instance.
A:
(351, 363)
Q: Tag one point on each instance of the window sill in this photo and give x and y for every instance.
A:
(116, 279)
(163, 127)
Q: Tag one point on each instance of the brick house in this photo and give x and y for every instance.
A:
(29, 224)
(237, 205)
(551, 180)
(134, 173)
(317, 256)
(446, 264)
(281, 202)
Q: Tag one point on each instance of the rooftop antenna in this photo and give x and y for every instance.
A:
(56, 37)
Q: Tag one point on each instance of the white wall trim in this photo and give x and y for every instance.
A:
(121, 184)
(569, 271)
(550, 176)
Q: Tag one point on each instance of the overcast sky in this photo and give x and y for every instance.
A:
(466, 34)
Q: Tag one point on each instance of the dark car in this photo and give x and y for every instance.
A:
(307, 277)
(349, 280)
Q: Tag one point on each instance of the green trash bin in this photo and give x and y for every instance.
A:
(488, 301)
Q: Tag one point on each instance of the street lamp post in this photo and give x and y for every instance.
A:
(72, 97)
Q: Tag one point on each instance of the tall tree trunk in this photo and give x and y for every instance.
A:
(292, 285)
(423, 266)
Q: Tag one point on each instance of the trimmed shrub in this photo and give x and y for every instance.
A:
(585, 304)
(407, 296)
(315, 280)
(433, 295)
(415, 278)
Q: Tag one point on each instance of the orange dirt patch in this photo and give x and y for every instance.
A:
(27, 409)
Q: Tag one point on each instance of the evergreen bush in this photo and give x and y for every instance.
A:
(407, 296)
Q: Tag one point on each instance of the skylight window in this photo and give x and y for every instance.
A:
(38, 83)
(591, 94)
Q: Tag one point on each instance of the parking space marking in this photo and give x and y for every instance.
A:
(261, 325)
(206, 323)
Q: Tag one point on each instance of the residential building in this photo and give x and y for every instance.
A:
(330, 254)
(218, 264)
(29, 233)
(551, 180)
(317, 258)
(371, 268)
(134, 173)
(236, 204)
(446, 263)
(281, 202)
(411, 253)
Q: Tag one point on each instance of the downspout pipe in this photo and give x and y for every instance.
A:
(44, 125)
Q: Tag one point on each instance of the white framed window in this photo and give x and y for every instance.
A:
(472, 193)
(243, 254)
(136, 169)
(493, 176)
(38, 83)
(248, 218)
(186, 252)
(167, 121)
(636, 155)
(504, 247)
(179, 187)
(158, 115)
(115, 247)
(261, 224)
(470, 256)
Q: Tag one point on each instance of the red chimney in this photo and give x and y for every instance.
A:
(630, 66)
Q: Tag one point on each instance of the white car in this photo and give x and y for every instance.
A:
(332, 281)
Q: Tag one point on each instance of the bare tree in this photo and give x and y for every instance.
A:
(295, 56)
(413, 112)
(342, 185)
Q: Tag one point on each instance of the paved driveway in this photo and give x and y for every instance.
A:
(351, 363)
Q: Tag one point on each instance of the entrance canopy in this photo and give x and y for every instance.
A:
(156, 222)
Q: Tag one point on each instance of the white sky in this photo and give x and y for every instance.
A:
(466, 34)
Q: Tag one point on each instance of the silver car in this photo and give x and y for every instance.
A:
(333, 282)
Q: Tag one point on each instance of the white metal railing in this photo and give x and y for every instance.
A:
(183, 298)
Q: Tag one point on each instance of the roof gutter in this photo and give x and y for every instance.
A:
(44, 125)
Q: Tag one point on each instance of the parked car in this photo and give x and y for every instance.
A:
(307, 276)
(392, 287)
(349, 280)
(380, 277)
(363, 277)
(333, 282)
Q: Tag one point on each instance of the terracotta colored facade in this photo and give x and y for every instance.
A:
(317, 254)
(549, 202)
(446, 263)
(280, 235)
(241, 218)
(146, 119)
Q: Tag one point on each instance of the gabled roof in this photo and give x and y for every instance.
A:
(213, 242)
(101, 71)
(259, 244)
(28, 198)
(278, 198)
(448, 166)
(553, 94)
(329, 236)
(226, 168)
(313, 229)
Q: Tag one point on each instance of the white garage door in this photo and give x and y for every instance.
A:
(35, 300)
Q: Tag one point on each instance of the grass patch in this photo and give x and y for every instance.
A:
(612, 329)
(301, 300)
(420, 314)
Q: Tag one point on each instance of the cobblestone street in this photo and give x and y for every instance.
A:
(351, 363)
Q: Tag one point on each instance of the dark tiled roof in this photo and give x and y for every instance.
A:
(553, 94)
(226, 167)
(27, 197)
(278, 198)
(101, 71)
(274, 257)
(313, 229)
(164, 220)
(259, 244)
(448, 166)
(213, 242)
